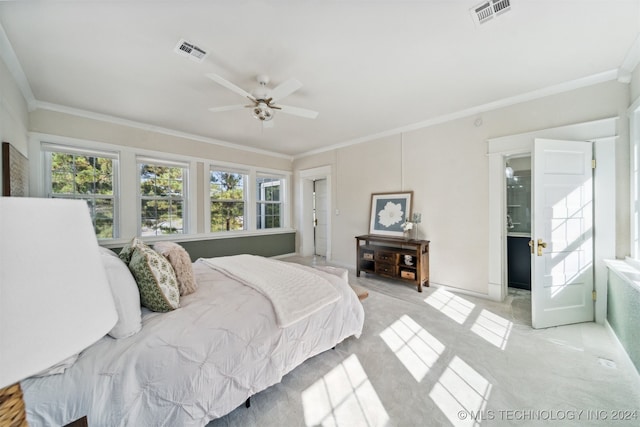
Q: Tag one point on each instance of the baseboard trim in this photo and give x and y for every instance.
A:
(460, 290)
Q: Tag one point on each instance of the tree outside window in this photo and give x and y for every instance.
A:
(162, 199)
(86, 177)
(226, 190)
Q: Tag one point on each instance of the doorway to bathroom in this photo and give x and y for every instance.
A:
(559, 154)
(518, 191)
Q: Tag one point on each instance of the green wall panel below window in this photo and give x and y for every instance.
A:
(267, 245)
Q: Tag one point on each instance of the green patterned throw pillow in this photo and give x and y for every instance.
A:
(127, 250)
(155, 278)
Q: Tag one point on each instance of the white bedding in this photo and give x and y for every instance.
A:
(294, 292)
(194, 364)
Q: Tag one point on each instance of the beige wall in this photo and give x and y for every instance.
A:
(446, 167)
(14, 116)
(63, 124)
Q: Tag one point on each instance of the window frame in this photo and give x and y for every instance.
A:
(246, 187)
(259, 202)
(186, 199)
(47, 150)
(250, 196)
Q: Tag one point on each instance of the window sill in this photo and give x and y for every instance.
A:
(119, 242)
(627, 269)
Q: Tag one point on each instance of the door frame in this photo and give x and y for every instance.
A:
(603, 135)
(305, 209)
(316, 225)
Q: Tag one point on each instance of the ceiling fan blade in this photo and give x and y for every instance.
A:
(228, 108)
(296, 111)
(285, 89)
(226, 83)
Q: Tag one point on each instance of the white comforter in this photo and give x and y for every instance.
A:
(197, 363)
(294, 292)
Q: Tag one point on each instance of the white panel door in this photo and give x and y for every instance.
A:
(562, 234)
(320, 216)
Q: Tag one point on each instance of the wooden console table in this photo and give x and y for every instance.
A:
(394, 257)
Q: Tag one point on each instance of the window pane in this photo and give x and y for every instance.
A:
(268, 215)
(62, 183)
(161, 217)
(268, 189)
(227, 200)
(94, 175)
(147, 180)
(226, 186)
(88, 178)
(162, 203)
(103, 209)
(227, 216)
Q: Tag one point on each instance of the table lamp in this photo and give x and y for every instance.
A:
(55, 299)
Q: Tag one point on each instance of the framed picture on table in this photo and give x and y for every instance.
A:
(388, 212)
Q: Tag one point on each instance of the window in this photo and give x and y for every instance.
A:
(85, 175)
(162, 197)
(228, 199)
(269, 201)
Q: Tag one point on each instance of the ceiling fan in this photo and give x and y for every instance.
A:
(263, 99)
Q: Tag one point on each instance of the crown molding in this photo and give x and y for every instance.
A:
(468, 112)
(10, 59)
(630, 62)
(152, 128)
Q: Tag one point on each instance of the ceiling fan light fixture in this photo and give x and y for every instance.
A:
(262, 112)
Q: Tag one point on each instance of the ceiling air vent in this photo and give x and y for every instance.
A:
(501, 6)
(489, 9)
(190, 50)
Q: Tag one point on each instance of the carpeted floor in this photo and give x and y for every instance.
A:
(438, 358)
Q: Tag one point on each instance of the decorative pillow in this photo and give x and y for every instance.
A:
(127, 250)
(155, 277)
(181, 263)
(125, 295)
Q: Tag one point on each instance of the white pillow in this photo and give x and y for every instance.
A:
(107, 251)
(125, 295)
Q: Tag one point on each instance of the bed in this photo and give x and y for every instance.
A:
(225, 343)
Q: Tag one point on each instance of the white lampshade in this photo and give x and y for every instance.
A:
(55, 299)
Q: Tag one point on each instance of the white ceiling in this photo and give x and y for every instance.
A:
(368, 67)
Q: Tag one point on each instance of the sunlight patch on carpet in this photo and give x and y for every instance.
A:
(416, 348)
(460, 393)
(344, 397)
(493, 328)
(452, 306)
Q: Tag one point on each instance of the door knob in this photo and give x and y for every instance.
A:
(541, 245)
(531, 244)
